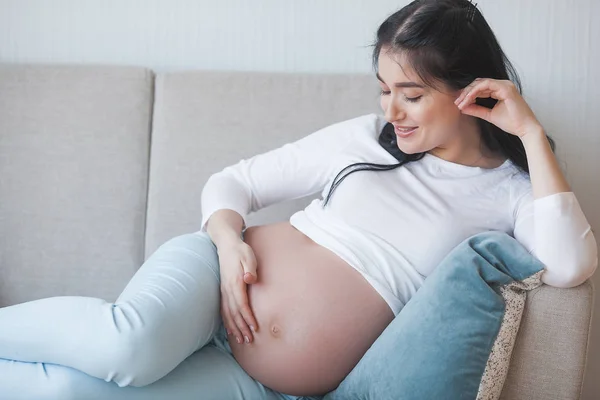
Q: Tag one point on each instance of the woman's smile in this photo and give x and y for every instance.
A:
(404, 132)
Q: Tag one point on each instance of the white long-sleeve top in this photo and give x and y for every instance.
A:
(396, 226)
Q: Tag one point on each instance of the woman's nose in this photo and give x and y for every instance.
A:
(393, 112)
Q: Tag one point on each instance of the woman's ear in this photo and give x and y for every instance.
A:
(455, 94)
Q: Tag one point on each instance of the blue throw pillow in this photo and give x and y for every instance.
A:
(454, 338)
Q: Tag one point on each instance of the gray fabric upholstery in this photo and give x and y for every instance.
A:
(205, 121)
(73, 179)
(74, 146)
(548, 361)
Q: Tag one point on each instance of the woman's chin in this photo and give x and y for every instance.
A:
(412, 149)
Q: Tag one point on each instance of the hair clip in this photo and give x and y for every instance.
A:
(471, 10)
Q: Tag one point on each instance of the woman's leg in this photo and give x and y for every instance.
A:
(168, 310)
(208, 374)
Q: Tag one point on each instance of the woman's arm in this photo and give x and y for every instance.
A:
(555, 230)
(549, 221)
(225, 227)
(563, 238)
(544, 172)
(291, 171)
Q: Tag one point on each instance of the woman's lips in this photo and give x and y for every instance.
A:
(405, 131)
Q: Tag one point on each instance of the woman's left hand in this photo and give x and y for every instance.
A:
(511, 113)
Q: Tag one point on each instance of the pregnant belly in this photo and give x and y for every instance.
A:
(317, 315)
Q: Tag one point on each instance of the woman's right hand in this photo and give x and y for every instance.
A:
(238, 269)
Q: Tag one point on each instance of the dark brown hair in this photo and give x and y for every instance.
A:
(449, 42)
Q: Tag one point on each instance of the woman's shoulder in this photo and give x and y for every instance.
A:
(367, 125)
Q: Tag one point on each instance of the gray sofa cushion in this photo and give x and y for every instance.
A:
(73, 177)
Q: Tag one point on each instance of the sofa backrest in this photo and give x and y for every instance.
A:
(74, 145)
(101, 165)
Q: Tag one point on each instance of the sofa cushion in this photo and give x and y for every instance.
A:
(74, 145)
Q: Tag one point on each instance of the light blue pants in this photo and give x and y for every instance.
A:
(162, 339)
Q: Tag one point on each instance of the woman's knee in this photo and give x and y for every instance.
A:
(197, 244)
(142, 347)
(134, 359)
(200, 241)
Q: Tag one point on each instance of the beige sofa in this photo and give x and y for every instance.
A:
(100, 165)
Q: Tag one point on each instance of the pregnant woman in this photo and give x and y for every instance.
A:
(288, 309)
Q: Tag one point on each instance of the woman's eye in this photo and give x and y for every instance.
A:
(413, 99)
(409, 99)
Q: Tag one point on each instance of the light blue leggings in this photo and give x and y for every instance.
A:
(162, 339)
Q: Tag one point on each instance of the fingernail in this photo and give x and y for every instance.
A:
(238, 340)
(252, 328)
(228, 332)
(246, 339)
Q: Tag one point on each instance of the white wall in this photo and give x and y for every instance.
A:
(550, 41)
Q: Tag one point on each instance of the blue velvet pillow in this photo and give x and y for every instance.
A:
(454, 338)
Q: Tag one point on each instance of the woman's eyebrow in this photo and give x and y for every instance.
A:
(402, 84)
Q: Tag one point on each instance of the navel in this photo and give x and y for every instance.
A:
(276, 331)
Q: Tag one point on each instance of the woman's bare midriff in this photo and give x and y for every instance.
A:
(317, 315)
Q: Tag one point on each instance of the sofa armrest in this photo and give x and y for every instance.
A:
(550, 353)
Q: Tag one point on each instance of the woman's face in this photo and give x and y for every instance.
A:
(424, 118)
